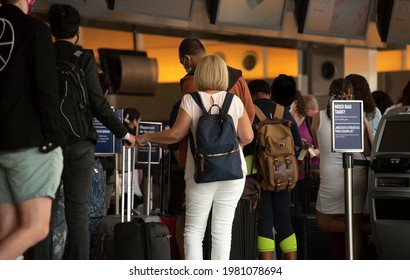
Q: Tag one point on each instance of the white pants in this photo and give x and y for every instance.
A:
(223, 198)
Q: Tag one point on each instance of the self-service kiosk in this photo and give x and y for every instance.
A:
(389, 185)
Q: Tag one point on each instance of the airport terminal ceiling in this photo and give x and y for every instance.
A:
(276, 49)
(151, 17)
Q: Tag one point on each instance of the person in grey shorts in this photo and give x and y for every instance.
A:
(31, 159)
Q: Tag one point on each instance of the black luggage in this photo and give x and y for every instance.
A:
(105, 229)
(244, 242)
(313, 243)
(142, 237)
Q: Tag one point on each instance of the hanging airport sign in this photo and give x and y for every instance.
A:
(142, 151)
(347, 126)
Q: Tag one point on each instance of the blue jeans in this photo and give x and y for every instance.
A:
(77, 176)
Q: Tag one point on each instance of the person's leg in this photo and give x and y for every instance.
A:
(8, 219)
(226, 199)
(336, 224)
(8, 210)
(179, 234)
(176, 206)
(32, 179)
(198, 205)
(77, 176)
(289, 247)
(43, 250)
(34, 218)
(330, 222)
(283, 224)
(357, 235)
(266, 242)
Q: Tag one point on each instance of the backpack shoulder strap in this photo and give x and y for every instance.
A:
(259, 113)
(227, 102)
(73, 62)
(197, 98)
(76, 57)
(279, 111)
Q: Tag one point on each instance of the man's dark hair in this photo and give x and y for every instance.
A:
(131, 114)
(256, 86)
(283, 90)
(64, 21)
(190, 46)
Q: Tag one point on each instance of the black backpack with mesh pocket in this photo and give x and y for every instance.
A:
(75, 116)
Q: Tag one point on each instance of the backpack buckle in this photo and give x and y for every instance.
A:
(290, 181)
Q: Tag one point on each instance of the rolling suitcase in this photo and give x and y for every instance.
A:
(105, 229)
(313, 243)
(244, 244)
(142, 237)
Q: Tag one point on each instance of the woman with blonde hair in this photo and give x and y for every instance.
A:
(211, 79)
(311, 105)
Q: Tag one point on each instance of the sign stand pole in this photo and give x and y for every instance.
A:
(348, 179)
(147, 185)
(347, 137)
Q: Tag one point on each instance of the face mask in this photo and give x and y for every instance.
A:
(31, 5)
(187, 69)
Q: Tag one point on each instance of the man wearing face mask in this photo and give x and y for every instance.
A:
(79, 154)
(190, 52)
(31, 159)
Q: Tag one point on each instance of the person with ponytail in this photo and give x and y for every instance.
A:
(330, 206)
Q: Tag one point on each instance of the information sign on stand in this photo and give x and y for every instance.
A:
(347, 137)
(107, 143)
(142, 151)
(347, 126)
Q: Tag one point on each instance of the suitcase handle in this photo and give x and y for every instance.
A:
(147, 186)
(127, 165)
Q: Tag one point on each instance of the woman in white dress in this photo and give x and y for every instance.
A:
(330, 206)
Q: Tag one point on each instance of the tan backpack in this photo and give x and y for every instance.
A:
(274, 153)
